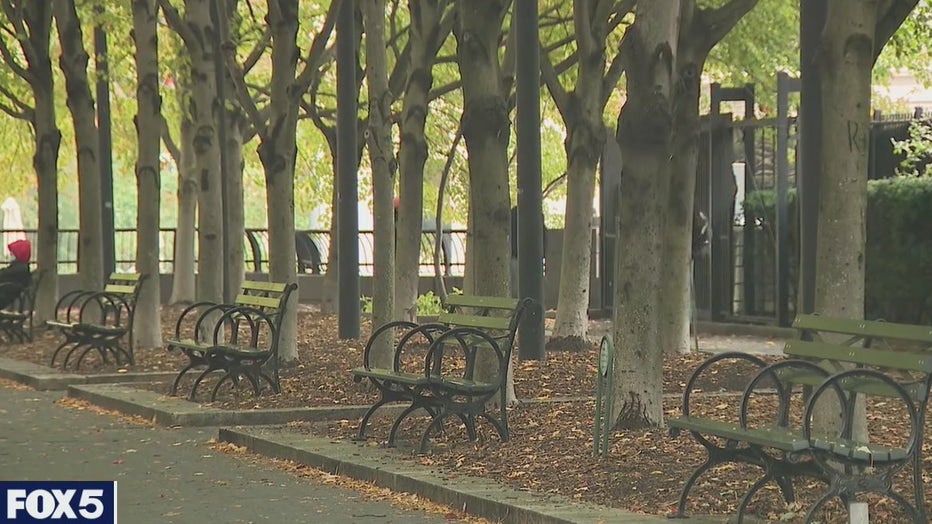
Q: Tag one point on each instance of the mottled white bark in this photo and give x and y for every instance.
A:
(148, 325)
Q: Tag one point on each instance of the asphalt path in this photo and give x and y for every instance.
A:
(169, 475)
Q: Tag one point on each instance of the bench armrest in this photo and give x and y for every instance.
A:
(397, 324)
(469, 340)
(196, 312)
(708, 364)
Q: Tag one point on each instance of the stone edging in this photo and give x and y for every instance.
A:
(173, 411)
(45, 378)
(479, 497)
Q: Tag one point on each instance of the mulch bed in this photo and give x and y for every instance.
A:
(551, 446)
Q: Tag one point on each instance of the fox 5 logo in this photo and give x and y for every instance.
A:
(23, 502)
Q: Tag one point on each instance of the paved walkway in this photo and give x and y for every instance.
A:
(167, 475)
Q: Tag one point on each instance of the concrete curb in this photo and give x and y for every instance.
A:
(50, 379)
(479, 497)
(174, 411)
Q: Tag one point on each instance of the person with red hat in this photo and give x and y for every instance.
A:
(15, 277)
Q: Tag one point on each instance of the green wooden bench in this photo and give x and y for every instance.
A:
(845, 359)
(16, 320)
(434, 366)
(98, 320)
(239, 339)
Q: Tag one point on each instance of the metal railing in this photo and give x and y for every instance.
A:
(312, 246)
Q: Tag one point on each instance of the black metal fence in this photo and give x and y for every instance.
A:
(312, 246)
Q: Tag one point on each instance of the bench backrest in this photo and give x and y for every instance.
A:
(268, 297)
(902, 349)
(125, 285)
(496, 314)
(810, 327)
(271, 298)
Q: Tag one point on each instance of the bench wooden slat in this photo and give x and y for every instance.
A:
(259, 285)
(479, 301)
(259, 302)
(401, 377)
(860, 450)
(119, 289)
(476, 321)
(774, 437)
(859, 355)
(865, 328)
(124, 277)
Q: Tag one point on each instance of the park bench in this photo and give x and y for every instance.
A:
(238, 339)
(98, 320)
(877, 362)
(453, 366)
(16, 319)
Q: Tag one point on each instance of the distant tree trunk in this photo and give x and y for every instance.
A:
(412, 152)
(37, 18)
(582, 111)
(183, 280)
(73, 63)
(383, 165)
(199, 34)
(700, 31)
(147, 332)
(644, 134)
(486, 129)
(236, 217)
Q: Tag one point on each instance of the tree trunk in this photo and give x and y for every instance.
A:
(585, 138)
(700, 31)
(277, 151)
(38, 17)
(675, 292)
(412, 153)
(203, 106)
(236, 217)
(183, 281)
(147, 332)
(847, 60)
(73, 63)
(486, 128)
(383, 165)
(644, 134)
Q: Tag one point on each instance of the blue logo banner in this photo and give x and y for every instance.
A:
(59, 501)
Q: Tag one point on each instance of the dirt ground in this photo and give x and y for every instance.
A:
(550, 450)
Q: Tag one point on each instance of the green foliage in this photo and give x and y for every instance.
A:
(898, 276)
(899, 249)
(428, 304)
(917, 150)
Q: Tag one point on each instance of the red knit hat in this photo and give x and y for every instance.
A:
(21, 249)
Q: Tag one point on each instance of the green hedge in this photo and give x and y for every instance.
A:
(899, 245)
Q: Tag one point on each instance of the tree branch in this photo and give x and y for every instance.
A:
(170, 143)
(719, 21)
(549, 77)
(258, 50)
(892, 15)
(176, 23)
(317, 51)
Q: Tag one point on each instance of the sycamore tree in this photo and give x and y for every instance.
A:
(665, 49)
(148, 122)
(582, 108)
(855, 33)
(276, 127)
(25, 33)
(73, 61)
